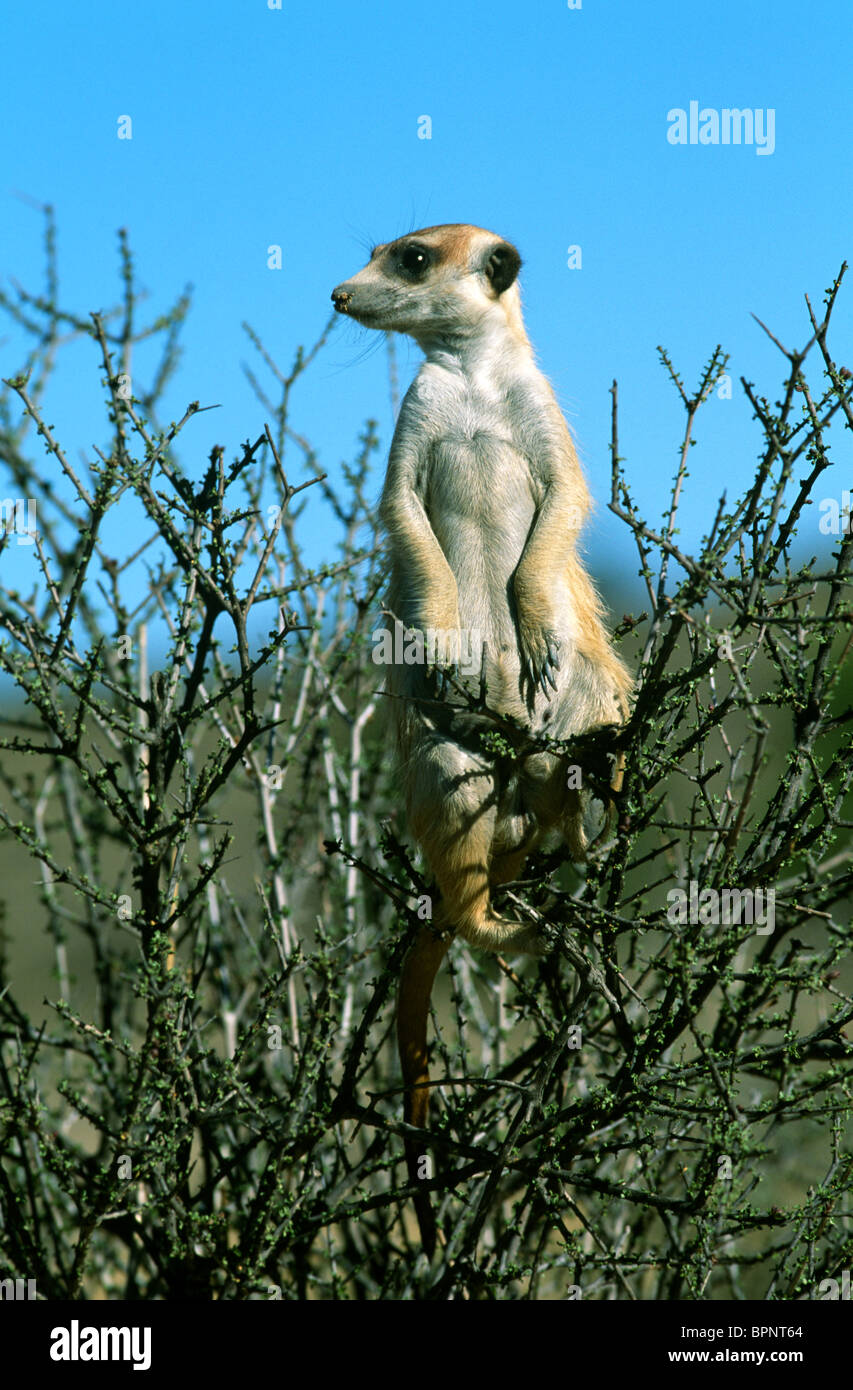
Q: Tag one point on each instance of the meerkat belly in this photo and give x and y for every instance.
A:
(481, 507)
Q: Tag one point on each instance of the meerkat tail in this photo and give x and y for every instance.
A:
(419, 971)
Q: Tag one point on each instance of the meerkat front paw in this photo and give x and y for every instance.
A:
(540, 654)
(442, 647)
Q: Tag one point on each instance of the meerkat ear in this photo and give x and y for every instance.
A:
(502, 265)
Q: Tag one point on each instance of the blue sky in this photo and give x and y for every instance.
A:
(298, 126)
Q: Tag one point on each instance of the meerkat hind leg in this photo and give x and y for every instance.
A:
(460, 856)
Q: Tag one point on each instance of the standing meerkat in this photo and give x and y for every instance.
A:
(483, 503)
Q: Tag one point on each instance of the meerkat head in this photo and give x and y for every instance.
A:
(439, 283)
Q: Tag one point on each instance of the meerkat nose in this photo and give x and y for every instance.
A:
(341, 299)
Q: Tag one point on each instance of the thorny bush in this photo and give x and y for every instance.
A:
(207, 1104)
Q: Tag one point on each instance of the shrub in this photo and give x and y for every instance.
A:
(208, 1106)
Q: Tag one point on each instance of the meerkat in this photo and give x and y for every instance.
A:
(483, 503)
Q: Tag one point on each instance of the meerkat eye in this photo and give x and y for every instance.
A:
(414, 260)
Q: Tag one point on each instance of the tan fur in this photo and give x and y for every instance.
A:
(483, 503)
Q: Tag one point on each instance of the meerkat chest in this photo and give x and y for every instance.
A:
(474, 409)
(477, 466)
